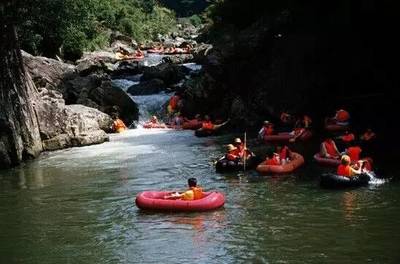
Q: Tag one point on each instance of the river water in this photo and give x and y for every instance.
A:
(77, 206)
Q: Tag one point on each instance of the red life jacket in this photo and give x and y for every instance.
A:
(342, 115)
(232, 155)
(344, 170)
(272, 162)
(348, 138)
(284, 153)
(330, 148)
(208, 125)
(354, 153)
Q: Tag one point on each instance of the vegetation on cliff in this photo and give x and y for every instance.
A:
(71, 26)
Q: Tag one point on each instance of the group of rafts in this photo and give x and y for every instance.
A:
(352, 170)
(138, 55)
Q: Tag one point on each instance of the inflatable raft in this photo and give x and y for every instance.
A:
(287, 136)
(151, 125)
(223, 165)
(336, 127)
(192, 124)
(296, 160)
(326, 161)
(154, 200)
(334, 181)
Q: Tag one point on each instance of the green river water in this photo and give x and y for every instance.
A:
(77, 206)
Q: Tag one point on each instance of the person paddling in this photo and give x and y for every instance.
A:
(344, 169)
(194, 193)
(266, 130)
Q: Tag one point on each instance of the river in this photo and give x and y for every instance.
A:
(77, 206)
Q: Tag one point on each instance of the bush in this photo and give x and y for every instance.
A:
(75, 42)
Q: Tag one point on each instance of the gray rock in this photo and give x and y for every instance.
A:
(148, 87)
(167, 72)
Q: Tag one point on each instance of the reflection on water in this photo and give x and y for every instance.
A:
(77, 205)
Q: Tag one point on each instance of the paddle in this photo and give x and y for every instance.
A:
(244, 154)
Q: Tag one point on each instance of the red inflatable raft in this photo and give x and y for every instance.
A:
(192, 124)
(151, 125)
(336, 127)
(286, 136)
(296, 160)
(154, 200)
(326, 161)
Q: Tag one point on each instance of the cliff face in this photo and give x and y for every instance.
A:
(19, 129)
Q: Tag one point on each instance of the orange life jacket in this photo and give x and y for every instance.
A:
(342, 115)
(269, 130)
(348, 138)
(344, 170)
(330, 147)
(173, 102)
(354, 153)
(197, 193)
(208, 125)
(232, 155)
(119, 124)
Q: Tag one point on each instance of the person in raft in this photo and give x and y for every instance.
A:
(342, 118)
(208, 125)
(345, 169)
(284, 154)
(232, 155)
(354, 151)
(348, 137)
(237, 142)
(118, 125)
(266, 130)
(194, 193)
(328, 149)
(273, 159)
(173, 105)
(139, 53)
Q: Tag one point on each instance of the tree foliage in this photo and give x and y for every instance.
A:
(76, 25)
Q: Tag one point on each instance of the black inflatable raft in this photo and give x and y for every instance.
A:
(334, 181)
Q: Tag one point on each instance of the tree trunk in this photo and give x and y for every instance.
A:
(19, 131)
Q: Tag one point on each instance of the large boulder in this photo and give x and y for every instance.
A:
(148, 87)
(63, 126)
(87, 85)
(47, 73)
(169, 73)
(97, 91)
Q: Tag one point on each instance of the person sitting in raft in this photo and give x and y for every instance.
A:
(368, 135)
(266, 130)
(194, 193)
(348, 137)
(139, 53)
(272, 159)
(208, 125)
(354, 151)
(342, 118)
(232, 155)
(237, 142)
(173, 103)
(304, 122)
(118, 125)
(284, 154)
(344, 169)
(286, 118)
(329, 149)
(177, 121)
